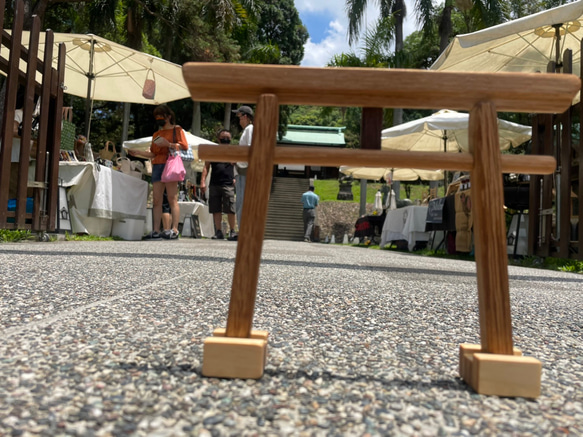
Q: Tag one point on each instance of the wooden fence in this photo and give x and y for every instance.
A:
(34, 207)
(554, 223)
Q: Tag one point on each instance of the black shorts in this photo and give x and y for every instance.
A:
(165, 204)
(222, 199)
(157, 170)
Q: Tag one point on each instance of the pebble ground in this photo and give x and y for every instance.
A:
(105, 339)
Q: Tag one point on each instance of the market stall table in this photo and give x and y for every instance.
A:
(406, 223)
(100, 198)
(188, 209)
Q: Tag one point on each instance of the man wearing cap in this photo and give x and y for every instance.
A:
(245, 115)
(221, 191)
(310, 201)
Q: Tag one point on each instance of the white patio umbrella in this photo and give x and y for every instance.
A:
(527, 44)
(193, 141)
(447, 131)
(444, 131)
(99, 69)
(399, 174)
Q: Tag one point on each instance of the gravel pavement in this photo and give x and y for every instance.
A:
(105, 338)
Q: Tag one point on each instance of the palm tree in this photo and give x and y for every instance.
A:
(388, 8)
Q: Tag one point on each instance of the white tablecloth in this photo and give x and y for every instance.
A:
(207, 228)
(98, 195)
(405, 224)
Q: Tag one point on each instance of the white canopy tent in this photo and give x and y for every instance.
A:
(193, 141)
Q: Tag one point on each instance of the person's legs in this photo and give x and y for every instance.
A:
(215, 198)
(172, 193)
(166, 219)
(240, 189)
(309, 217)
(157, 195)
(228, 197)
(158, 192)
(217, 219)
(231, 220)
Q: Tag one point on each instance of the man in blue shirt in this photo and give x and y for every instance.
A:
(310, 201)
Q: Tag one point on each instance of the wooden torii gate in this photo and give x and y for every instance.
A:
(493, 367)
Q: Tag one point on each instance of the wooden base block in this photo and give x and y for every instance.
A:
(234, 357)
(255, 333)
(500, 375)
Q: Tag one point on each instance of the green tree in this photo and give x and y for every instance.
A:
(279, 24)
(275, 34)
(394, 9)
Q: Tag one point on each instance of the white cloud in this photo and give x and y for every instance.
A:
(318, 55)
(331, 6)
(336, 40)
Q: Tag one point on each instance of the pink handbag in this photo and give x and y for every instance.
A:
(174, 169)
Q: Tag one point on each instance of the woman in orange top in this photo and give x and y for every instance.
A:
(168, 137)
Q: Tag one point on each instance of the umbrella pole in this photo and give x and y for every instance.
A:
(90, 78)
(558, 62)
(445, 173)
(362, 197)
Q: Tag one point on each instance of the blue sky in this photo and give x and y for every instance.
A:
(327, 24)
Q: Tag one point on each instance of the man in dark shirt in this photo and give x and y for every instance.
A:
(221, 191)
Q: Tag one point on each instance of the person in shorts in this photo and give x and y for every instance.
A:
(166, 217)
(169, 138)
(221, 191)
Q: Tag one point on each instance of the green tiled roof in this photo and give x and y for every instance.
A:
(314, 135)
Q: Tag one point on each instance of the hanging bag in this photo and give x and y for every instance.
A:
(186, 155)
(149, 90)
(174, 169)
(108, 151)
(67, 129)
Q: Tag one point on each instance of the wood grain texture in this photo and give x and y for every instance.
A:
(25, 140)
(563, 199)
(379, 158)
(9, 108)
(505, 375)
(466, 353)
(39, 222)
(253, 218)
(489, 232)
(370, 125)
(54, 141)
(380, 88)
(579, 246)
(225, 357)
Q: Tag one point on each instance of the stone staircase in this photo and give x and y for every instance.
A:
(285, 212)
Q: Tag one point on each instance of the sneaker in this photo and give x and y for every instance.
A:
(307, 240)
(173, 235)
(166, 234)
(152, 236)
(218, 236)
(233, 236)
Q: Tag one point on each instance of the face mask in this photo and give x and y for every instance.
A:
(160, 122)
(224, 141)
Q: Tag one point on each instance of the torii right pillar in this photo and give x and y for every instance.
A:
(495, 367)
